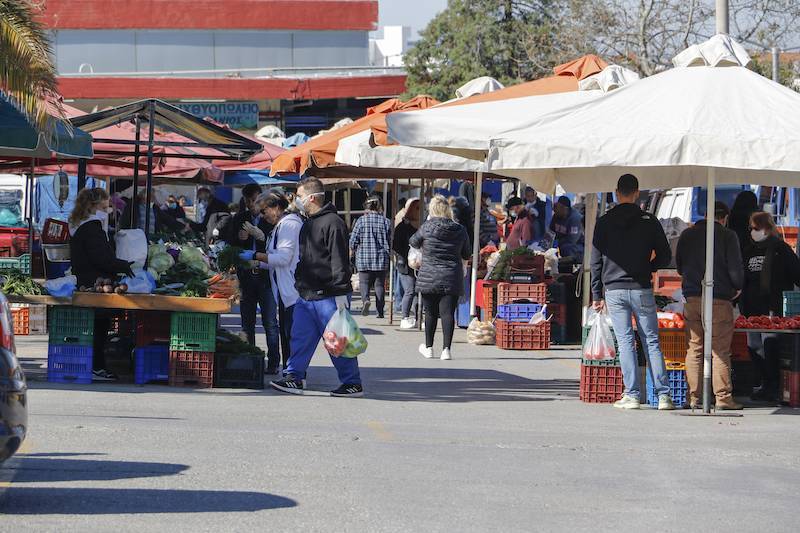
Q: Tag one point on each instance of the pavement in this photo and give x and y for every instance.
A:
(490, 441)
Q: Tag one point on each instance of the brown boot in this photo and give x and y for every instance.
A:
(728, 404)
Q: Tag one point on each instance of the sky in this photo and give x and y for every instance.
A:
(414, 13)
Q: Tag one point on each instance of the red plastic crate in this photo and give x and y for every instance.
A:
(191, 369)
(674, 344)
(666, 282)
(528, 264)
(739, 351)
(520, 336)
(790, 388)
(20, 316)
(559, 313)
(488, 300)
(152, 327)
(601, 384)
(509, 292)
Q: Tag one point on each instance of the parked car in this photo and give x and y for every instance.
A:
(13, 389)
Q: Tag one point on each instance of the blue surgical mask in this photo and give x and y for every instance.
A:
(172, 205)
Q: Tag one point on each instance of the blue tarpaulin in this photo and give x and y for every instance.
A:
(261, 177)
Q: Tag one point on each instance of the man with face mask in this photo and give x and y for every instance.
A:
(690, 259)
(567, 224)
(208, 204)
(488, 224)
(322, 280)
(522, 231)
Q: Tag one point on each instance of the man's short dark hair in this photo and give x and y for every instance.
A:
(564, 200)
(203, 189)
(627, 184)
(721, 210)
(311, 185)
(514, 201)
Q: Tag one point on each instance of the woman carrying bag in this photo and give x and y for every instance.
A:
(445, 245)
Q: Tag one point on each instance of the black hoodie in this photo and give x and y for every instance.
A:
(770, 267)
(444, 244)
(324, 267)
(622, 250)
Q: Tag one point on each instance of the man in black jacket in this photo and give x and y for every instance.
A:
(323, 281)
(623, 261)
(212, 205)
(690, 258)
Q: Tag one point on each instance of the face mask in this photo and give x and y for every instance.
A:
(300, 205)
(758, 235)
(102, 216)
(172, 205)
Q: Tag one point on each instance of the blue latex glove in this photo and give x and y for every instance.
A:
(247, 255)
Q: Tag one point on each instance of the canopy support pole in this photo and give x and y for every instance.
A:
(393, 214)
(423, 215)
(149, 183)
(708, 292)
(134, 222)
(591, 222)
(476, 244)
(81, 174)
(29, 202)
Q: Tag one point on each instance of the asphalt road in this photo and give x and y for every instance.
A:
(491, 441)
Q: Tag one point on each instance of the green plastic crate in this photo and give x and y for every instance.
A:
(21, 263)
(193, 332)
(71, 326)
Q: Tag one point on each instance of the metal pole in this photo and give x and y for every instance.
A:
(393, 214)
(29, 202)
(134, 220)
(591, 221)
(476, 245)
(81, 174)
(708, 292)
(423, 215)
(776, 64)
(149, 182)
(722, 19)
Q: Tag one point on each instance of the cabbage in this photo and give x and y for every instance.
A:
(193, 258)
(153, 273)
(161, 262)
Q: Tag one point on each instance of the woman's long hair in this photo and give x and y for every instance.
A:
(764, 221)
(86, 204)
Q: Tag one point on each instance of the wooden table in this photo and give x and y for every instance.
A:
(143, 302)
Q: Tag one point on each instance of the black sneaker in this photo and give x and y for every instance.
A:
(353, 390)
(103, 375)
(290, 385)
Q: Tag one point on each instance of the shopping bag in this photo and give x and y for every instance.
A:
(415, 258)
(342, 337)
(599, 343)
(131, 245)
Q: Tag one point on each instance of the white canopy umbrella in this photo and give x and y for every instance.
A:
(708, 120)
(466, 130)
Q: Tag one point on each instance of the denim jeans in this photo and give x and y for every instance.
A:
(641, 303)
(408, 283)
(308, 325)
(257, 293)
(398, 291)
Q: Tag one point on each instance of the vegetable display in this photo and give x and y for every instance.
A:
(481, 333)
(767, 322)
(194, 258)
(502, 267)
(19, 284)
(229, 259)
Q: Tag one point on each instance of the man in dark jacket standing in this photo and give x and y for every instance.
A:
(323, 281)
(622, 266)
(690, 258)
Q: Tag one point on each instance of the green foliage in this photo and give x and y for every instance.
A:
(509, 40)
(501, 269)
(763, 66)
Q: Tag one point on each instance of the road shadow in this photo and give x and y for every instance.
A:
(40, 468)
(462, 385)
(105, 501)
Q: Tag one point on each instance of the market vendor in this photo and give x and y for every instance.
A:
(567, 224)
(160, 220)
(93, 257)
(248, 230)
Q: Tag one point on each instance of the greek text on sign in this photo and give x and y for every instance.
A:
(237, 115)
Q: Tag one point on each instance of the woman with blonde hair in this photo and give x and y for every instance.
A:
(445, 245)
(770, 267)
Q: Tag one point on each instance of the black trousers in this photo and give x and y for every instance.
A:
(285, 316)
(440, 306)
(377, 278)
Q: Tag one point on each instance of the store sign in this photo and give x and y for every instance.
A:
(237, 115)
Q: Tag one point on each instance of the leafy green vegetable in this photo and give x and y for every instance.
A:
(196, 288)
(501, 269)
(229, 258)
(20, 284)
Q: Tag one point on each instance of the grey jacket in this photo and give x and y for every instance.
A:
(690, 259)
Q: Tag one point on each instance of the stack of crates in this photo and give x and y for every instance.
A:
(558, 310)
(20, 319)
(239, 371)
(69, 352)
(674, 345)
(193, 340)
(513, 331)
(151, 356)
(601, 380)
(789, 363)
(21, 263)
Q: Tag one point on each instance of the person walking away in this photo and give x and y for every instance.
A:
(629, 245)
(248, 230)
(488, 223)
(207, 204)
(770, 267)
(522, 230)
(280, 259)
(369, 243)
(406, 275)
(322, 280)
(744, 206)
(445, 245)
(92, 257)
(690, 259)
(567, 224)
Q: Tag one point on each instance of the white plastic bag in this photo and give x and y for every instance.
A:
(131, 245)
(342, 337)
(62, 287)
(600, 343)
(415, 258)
(481, 333)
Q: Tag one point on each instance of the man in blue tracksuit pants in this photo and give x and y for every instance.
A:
(322, 280)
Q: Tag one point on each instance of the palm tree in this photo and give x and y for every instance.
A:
(27, 73)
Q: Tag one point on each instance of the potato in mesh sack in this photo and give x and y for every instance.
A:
(480, 333)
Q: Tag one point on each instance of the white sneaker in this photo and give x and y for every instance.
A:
(426, 352)
(408, 323)
(365, 309)
(446, 355)
(627, 402)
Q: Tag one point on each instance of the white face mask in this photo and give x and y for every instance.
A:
(758, 235)
(300, 205)
(102, 216)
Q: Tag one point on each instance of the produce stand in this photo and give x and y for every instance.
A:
(151, 302)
